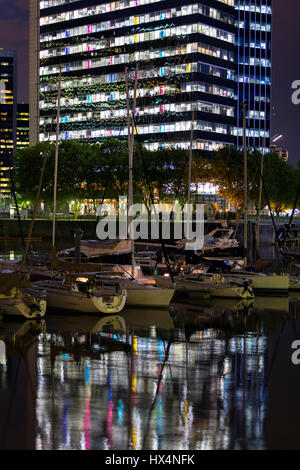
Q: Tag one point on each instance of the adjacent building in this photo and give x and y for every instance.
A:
(194, 59)
(8, 117)
(22, 126)
(280, 152)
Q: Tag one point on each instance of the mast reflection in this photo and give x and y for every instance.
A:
(198, 377)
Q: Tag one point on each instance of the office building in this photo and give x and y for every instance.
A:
(253, 39)
(22, 126)
(8, 117)
(188, 60)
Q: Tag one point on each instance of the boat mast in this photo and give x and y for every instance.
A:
(130, 151)
(245, 189)
(37, 199)
(56, 157)
(260, 197)
(190, 159)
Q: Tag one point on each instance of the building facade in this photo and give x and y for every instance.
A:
(22, 126)
(280, 152)
(253, 40)
(188, 61)
(8, 116)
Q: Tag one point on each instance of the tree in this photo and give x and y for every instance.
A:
(280, 181)
(227, 173)
(73, 163)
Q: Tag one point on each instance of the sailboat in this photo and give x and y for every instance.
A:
(79, 295)
(71, 293)
(208, 286)
(139, 293)
(19, 298)
(260, 282)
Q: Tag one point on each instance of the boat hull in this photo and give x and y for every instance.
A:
(276, 284)
(149, 297)
(230, 292)
(66, 300)
(15, 307)
(207, 289)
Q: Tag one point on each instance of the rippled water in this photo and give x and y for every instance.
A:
(208, 375)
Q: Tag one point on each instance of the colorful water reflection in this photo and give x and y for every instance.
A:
(190, 385)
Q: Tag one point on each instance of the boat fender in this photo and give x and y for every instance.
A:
(217, 278)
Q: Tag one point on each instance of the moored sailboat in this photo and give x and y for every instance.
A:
(79, 295)
(18, 298)
(208, 286)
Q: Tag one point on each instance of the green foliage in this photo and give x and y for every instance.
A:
(281, 181)
(226, 171)
(72, 168)
(98, 171)
(101, 170)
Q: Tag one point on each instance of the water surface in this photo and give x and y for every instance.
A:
(208, 375)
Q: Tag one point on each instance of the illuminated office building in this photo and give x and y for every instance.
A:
(8, 116)
(254, 20)
(187, 54)
(22, 126)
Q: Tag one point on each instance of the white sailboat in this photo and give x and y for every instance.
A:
(71, 294)
(140, 294)
(263, 283)
(18, 298)
(260, 282)
(208, 286)
(76, 295)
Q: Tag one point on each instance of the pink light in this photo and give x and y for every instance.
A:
(109, 424)
(87, 423)
(89, 29)
(277, 138)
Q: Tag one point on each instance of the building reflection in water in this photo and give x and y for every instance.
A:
(18, 385)
(196, 379)
(163, 393)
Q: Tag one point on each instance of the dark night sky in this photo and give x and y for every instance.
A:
(286, 61)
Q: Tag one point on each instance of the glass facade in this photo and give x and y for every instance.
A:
(22, 126)
(8, 114)
(189, 59)
(253, 22)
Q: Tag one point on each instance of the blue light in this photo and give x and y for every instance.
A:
(86, 373)
(120, 411)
